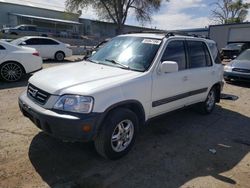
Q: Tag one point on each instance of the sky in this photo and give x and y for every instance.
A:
(175, 14)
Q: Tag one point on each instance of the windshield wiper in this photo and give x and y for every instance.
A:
(92, 61)
(117, 63)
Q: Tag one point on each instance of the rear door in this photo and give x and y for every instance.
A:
(202, 72)
(50, 47)
(38, 44)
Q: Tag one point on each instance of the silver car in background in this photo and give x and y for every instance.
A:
(239, 68)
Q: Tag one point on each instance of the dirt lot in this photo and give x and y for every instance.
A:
(171, 152)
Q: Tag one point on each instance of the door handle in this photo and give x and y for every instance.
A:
(185, 78)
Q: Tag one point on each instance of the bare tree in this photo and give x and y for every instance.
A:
(230, 11)
(117, 10)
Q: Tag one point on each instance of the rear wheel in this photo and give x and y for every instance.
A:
(208, 105)
(118, 134)
(11, 71)
(59, 56)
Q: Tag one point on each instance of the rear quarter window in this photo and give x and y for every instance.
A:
(215, 52)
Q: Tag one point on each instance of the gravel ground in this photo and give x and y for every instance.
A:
(173, 151)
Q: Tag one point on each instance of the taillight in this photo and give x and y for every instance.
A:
(36, 54)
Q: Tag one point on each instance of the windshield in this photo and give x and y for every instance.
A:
(17, 27)
(234, 46)
(136, 53)
(17, 41)
(244, 55)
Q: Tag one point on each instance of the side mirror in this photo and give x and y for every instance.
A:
(169, 66)
(93, 52)
(23, 43)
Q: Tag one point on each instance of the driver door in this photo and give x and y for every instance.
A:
(170, 90)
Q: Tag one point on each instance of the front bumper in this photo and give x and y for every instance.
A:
(236, 76)
(68, 127)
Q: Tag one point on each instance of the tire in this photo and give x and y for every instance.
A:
(122, 126)
(208, 105)
(11, 72)
(59, 56)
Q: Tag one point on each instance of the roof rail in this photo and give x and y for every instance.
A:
(168, 34)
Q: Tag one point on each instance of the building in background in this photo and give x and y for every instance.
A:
(202, 32)
(227, 33)
(55, 20)
(24, 12)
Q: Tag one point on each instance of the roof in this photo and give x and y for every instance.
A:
(45, 18)
(31, 3)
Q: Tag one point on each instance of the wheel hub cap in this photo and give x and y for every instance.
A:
(122, 135)
(11, 72)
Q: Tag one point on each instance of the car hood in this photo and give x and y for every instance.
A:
(243, 64)
(84, 75)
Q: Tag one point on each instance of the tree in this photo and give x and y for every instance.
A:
(230, 11)
(117, 10)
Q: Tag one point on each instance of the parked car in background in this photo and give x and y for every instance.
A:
(239, 68)
(17, 61)
(233, 49)
(47, 47)
(24, 30)
(128, 81)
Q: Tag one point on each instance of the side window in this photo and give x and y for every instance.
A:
(208, 57)
(1, 47)
(30, 28)
(198, 54)
(22, 28)
(48, 42)
(215, 52)
(175, 51)
(33, 41)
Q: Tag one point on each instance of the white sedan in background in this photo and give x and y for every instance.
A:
(17, 61)
(47, 47)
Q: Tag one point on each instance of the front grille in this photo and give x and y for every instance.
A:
(37, 94)
(241, 70)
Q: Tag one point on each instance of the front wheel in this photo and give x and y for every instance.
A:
(208, 105)
(118, 134)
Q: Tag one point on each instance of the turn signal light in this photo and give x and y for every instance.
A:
(86, 128)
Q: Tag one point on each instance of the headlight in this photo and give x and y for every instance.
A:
(228, 68)
(75, 103)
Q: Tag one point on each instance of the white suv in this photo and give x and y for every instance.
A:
(132, 79)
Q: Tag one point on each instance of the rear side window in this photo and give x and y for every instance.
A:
(175, 51)
(48, 42)
(215, 52)
(1, 47)
(198, 54)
